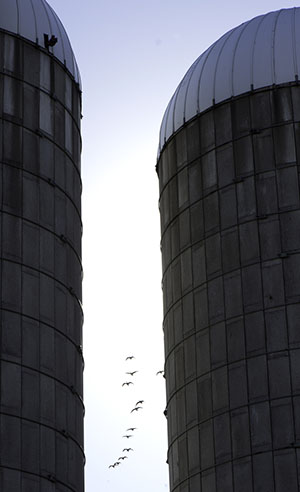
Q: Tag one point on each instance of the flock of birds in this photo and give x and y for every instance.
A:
(137, 407)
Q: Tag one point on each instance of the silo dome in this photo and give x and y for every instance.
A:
(262, 52)
(32, 20)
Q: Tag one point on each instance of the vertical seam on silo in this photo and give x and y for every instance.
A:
(208, 328)
(35, 21)
(291, 397)
(273, 55)
(227, 37)
(244, 314)
(18, 17)
(174, 107)
(194, 326)
(61, 37)
(294, 47)
(207, 52)
(228, 412)
(234, 54)
(252, 54)
(266, 348)
(166, 124)
(46, 12)
(188, 85)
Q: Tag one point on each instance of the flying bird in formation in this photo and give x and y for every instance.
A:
(127, 383)
(132, 373)
(140, 402)
(127, 435)
(122, 458)
(131, 429)
(127, 450)
(130, 357)
(135, 409)
(159, 372)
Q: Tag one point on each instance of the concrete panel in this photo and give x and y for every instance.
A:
(222, 438)
(285, 467)
(224, 477)
(237, 376)
(263, 473)
(228, 207)
(220, 389)
(282, 422)
(204, 392)
(276, 330)
(218, 345)
(191, 403)
(258, 378)
(195, 181)
(230, 250)
(235, 340)
(249, 243)
(242, 471)
(225, 164)
(240, 433)
(263, 148)
(206, 445)
(213, 255)
(260, 425)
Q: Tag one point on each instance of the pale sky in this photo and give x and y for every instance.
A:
(132, 54)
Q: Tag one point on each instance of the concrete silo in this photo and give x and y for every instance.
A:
(228, 169)
(41, 406)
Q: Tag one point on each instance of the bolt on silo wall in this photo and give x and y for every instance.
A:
(41, 406)
(230, 222)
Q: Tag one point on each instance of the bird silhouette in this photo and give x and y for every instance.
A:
(127, 450)
(127, 383)
(122, 457)
(130, 357)
(135, 409)
(132, 373)
(127, 435)
(159, 372)
(140, 402)
(131, 429)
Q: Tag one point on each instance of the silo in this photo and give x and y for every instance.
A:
(228, 167)
(41, 406)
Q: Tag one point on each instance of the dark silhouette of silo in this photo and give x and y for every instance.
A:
(228, 169)
(41, 406)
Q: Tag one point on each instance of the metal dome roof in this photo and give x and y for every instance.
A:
(31, 19)
(258, 53)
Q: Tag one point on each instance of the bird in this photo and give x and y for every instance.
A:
(140, 402)
(111, 466)
(132, 373)
(135, 409)
(130, 357)
(127, 383)
(122, 457)
(117, 463)
(131, 429)
(159, 372)
(128, 436)
(127, 450)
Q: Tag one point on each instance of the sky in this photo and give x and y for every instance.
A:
(132, 54)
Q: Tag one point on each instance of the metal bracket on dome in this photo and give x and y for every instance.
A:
(49, 42)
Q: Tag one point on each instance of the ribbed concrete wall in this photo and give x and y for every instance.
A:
(230, 220)
(41, 408)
